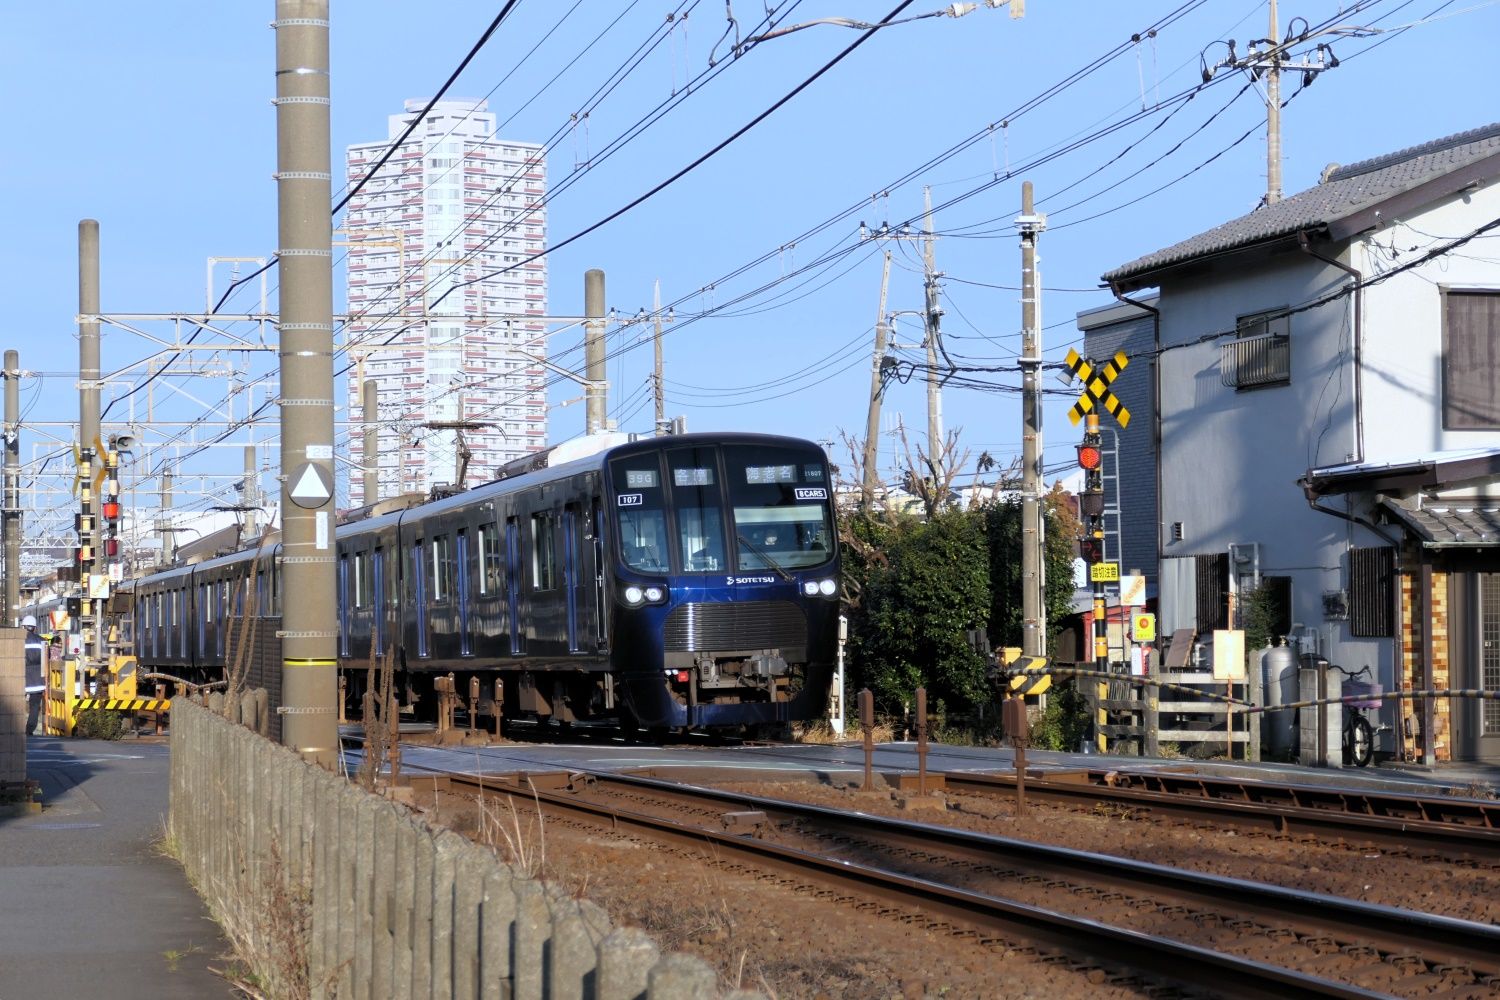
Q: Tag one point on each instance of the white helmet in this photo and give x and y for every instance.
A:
(29, 621)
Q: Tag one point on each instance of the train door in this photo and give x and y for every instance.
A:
(419, 594)
(344, 604)
(465, 643)
(513, 582)
(601, 596)
(571, 576)
(379, 599)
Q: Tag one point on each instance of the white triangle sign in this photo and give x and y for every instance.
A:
(310, 488)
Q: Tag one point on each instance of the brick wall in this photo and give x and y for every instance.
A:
(12, 705)
(1411, 663)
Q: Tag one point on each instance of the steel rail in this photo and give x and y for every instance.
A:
(1158, 957)
(1447, 940)
(1455, 810)
(1270, 810)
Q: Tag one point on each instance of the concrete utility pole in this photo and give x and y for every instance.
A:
(88, 430)
(309, 663)
(164, 522)
(370, 450)
(1033, 578)
(933, 315)
(1273, 115)
(250, 498)
(593, 351)
(658, 388)
(877, 390)
(12, 521)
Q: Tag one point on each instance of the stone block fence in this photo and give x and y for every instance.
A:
(329, 891)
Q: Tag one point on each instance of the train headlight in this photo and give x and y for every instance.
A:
(655, 594)
(634, 595)
(810, 588)
(828, 588)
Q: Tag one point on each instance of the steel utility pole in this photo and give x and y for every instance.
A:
(1273, 114)
(932, 315)
(12, 521)
(1033, 578)
(309, 688)
(593, 351)
(877, 390)
(370, 449)
(88, 433)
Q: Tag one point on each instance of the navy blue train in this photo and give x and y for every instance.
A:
(685, 582)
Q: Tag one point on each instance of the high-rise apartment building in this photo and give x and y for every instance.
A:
(444, 316)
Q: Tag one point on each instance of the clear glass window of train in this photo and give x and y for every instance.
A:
(781, 500)
(364, 579)
(491, 558)
(640, 510)
(442, 567)
(543, 550)
(700, 512)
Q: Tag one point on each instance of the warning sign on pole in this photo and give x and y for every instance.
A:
(1143, 627)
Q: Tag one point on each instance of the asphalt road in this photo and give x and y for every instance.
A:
(88, 904)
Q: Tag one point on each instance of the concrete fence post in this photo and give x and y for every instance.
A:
(681, 977)
(468, 916)
(532, 932)
(626, 957)
(382, 957)
(445, 850)
(497, 929)
(403, 916)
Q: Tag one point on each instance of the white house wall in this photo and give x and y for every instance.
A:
(1231, 458)
(1403, 324)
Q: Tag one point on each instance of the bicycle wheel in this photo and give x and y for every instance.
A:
(1360, 741)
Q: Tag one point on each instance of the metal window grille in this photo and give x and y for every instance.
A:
(1256, 361)
(1489, 618)
(1372, 582)
(1211, 605)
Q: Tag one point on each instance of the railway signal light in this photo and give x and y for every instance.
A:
(1089, 456)
(1091, 549)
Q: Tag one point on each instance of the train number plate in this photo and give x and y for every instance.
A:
(631, 499)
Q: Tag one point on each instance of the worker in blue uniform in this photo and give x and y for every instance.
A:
(36, 655)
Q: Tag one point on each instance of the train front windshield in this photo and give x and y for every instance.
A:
(764, 507)
(780, 505)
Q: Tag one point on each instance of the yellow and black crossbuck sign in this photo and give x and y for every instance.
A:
(1096, 387)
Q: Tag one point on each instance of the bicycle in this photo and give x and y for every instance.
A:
(1358, 734)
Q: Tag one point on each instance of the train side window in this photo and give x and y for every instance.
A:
(366, 579)
(442, 568)
(543, 550)
(491, 557)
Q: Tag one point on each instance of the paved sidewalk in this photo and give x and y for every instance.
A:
(88, 907)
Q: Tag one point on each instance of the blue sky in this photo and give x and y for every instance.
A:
(156, 120)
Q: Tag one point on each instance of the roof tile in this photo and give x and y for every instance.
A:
(1343, 192)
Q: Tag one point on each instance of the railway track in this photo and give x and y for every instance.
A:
(1465, 831)
(1203, 933)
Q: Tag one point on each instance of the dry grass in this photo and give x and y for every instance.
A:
(1473, 790)
(524, 847)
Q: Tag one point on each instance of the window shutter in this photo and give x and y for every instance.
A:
(1372, 583)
